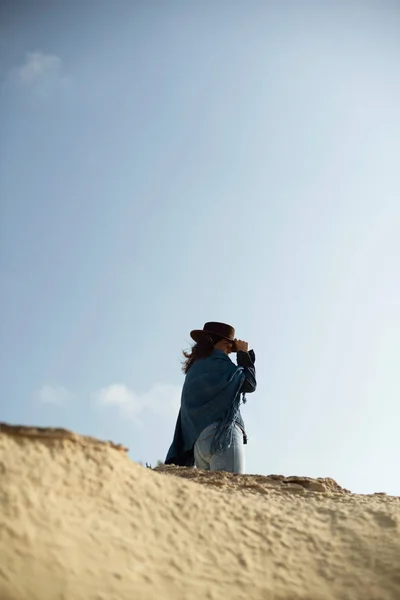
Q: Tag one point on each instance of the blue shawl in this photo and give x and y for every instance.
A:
(211, 393)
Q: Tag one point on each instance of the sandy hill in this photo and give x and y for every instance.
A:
(81, 521)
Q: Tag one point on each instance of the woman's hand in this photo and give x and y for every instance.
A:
(241, 345)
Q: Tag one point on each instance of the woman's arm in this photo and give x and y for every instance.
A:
(247, 360)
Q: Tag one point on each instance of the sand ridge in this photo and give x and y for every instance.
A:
(255, 483)
(46, 434)
(81, 521)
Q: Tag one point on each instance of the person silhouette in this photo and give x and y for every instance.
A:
(210, 433)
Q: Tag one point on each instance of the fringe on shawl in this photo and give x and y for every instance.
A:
(224, 433)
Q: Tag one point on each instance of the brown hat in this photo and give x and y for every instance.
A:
(220, 329)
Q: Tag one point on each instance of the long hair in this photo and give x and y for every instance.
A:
(202, 349)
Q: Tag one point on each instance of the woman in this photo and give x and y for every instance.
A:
(210, 432)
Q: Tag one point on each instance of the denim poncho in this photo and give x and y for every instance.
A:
(211, 393)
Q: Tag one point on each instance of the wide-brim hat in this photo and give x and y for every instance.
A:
(221, 330)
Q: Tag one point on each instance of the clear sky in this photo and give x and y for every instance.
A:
(163, 164)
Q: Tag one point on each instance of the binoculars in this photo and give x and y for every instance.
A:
(234, 349)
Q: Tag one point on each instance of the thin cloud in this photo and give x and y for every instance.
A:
(38, 67)
(49, 394)
(119, 396)
(40, 73)
(161, 400)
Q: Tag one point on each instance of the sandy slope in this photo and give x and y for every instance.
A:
(80, 521)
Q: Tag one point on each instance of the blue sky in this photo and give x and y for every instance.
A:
(165, 164)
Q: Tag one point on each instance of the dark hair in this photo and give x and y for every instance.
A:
(201, 349)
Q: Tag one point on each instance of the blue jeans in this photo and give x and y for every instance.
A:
(231, 460)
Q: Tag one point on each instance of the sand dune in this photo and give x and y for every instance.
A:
(81, 521)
